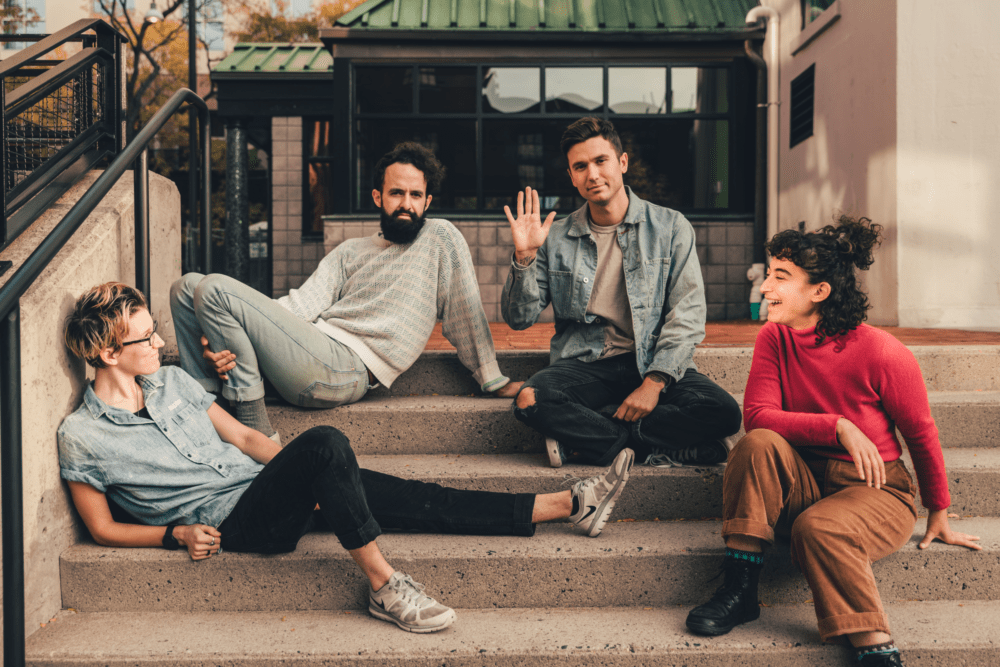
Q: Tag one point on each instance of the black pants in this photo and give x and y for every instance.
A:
(319, 466)
(574, 403)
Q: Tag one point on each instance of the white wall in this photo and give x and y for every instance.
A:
(948, 157)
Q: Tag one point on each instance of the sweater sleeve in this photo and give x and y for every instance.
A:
(320, 290)
(904, 398)
(763, 403)
(463, 321)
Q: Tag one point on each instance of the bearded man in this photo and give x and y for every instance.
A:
(360, 320)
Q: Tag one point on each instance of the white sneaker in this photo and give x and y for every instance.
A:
(554, 450)
(403, 602)
(594, 498)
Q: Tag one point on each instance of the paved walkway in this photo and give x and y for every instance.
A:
(737, 333)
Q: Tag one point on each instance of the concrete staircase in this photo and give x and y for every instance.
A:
(556, 598)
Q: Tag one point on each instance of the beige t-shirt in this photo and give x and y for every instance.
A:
(609, 299)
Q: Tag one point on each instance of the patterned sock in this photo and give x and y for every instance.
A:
(254, 415)
(752, 557)
(883, 649)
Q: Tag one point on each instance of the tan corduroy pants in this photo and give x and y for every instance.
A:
(839, 526)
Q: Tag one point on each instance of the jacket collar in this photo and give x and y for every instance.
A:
(580, 218)
(150, 385)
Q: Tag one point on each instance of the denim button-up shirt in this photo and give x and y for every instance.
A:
(173, 467)
(662, 279)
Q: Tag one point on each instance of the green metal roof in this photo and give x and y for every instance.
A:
(264, 61)
(675, 16)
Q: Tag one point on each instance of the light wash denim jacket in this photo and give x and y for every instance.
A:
(662, 279)
(171, 468)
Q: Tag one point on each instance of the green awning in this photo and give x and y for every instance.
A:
(306, 60)
(658, 16)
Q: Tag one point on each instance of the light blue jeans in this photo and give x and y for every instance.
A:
(307, 367)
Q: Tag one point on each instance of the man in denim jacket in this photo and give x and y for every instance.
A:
(625, 285)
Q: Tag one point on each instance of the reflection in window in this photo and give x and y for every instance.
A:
(637, 89)
(452, 141)
(447, 90)
(698, 89)
(512, 89)
(317, 135)
(574, 89)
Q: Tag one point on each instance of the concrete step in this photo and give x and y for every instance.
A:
(945, 368)
(480, 425)
(640, 564)
(928, 633)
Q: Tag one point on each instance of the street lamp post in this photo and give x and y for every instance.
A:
(154, 15)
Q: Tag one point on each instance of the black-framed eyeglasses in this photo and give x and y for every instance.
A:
(144, 340)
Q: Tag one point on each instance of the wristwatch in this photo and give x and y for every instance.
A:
(170, 542)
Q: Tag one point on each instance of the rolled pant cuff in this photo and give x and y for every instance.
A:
(362, 536)
(240, 394)
(845, 624)
(748, 528)
(524, 507)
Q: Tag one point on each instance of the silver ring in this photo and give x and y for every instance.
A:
(212, 543)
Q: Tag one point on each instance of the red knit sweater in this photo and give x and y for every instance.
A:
(799, 390)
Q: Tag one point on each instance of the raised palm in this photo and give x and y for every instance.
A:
(527, 229)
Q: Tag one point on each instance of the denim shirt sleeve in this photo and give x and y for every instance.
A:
(526, 292)
(683, 325)
(78, 464)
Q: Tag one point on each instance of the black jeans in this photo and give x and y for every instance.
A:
(575, 401)
(319, 466)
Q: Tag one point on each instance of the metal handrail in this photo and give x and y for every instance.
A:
(11, 486)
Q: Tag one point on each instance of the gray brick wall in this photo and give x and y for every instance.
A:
(724, 251)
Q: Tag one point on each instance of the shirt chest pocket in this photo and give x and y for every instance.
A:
(195, 424)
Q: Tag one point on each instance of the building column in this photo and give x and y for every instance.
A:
(237, 263)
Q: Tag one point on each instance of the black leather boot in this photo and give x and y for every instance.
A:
(882, 660)
(734, 602)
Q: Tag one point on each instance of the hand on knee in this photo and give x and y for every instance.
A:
(526, 398)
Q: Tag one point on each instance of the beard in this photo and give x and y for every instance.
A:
(400, 230)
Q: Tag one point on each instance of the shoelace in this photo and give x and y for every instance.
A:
(411, 591)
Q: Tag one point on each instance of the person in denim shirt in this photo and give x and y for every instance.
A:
(151, 442)
(625, 285)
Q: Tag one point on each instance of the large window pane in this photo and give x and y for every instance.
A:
(637, 89)
(453, 142)
(384, 89)
(699, 90)
(512, 90)
(574, 89)
(678, 163)
(320, 201)
(517, 154)
(447, 90)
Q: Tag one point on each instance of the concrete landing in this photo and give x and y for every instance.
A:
(929, 634)
(483, 425)
(630, 564)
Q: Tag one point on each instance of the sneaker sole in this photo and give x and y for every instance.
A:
(417, 629)
(552, 448)
(604, 509)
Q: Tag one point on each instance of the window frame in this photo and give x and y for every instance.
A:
(732, 116)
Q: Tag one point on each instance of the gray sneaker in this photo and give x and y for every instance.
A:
(555, 452)
(594, 498)
(402, 601)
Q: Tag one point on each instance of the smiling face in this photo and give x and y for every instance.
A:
(403, 201)
(138, 358)
(792, 300)
(596, 170)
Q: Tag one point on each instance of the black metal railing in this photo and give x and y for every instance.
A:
(59, 119)
(11, 491)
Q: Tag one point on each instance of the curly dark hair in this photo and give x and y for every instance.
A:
(421, 157)
(829, 255)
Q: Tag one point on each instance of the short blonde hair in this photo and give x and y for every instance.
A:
(100, 320)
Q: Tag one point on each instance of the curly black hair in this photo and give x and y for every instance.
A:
(421, 157)
(829, 255)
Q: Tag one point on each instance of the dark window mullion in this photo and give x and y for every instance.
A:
(416, 89)
(541, 92)
(669, 91)
(480, 197)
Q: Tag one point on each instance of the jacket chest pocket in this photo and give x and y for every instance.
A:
(561, 291)
(195, 424)
(657, 277)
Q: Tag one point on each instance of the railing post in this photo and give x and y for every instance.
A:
(11, 492)
(206, 181)
(3, 165)
(140, 179)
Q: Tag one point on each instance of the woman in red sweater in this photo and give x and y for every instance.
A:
(820, 459)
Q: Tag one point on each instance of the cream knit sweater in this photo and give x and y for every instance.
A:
(382, 300)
